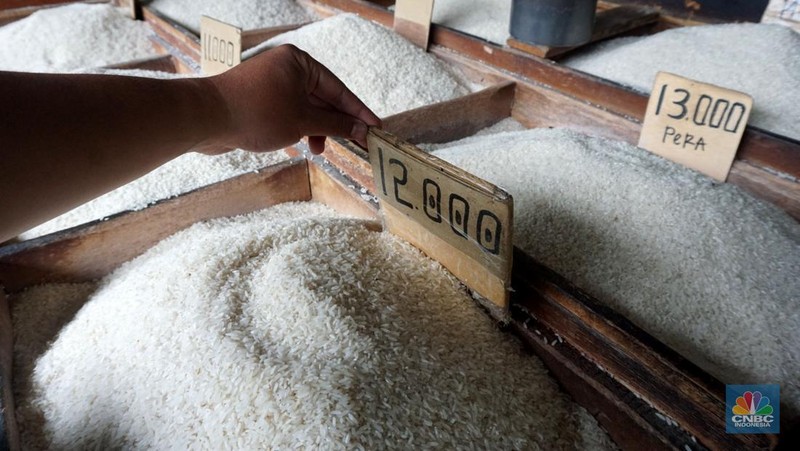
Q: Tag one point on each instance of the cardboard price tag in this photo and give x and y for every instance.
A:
(412, 20)
(695, 124)
(458, 219)
(220, 46)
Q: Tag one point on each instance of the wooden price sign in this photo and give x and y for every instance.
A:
(458, 219)
(695, 124)
(412, 20)
(220, 46)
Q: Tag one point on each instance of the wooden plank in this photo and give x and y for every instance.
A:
(330, 187)
(608, 23)
(453, 119)
(170, 31)
(640, 363)
(91, 251)
(629, 420)
(164, 63)
(9, 435)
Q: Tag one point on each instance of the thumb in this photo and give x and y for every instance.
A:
(334, 123)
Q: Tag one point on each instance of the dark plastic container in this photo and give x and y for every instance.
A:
(554, 23)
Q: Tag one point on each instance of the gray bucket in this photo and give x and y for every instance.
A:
(554, 23)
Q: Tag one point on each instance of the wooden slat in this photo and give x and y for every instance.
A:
(91, 251)
(453, 119)
(637, 361)
(608, 23)
(164, 63)
(170, 31)
(9, 436)
(330, 187)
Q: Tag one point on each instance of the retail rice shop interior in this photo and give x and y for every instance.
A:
(575, 228)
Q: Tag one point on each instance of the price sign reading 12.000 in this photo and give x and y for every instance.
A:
(456, 218)
(695, 124)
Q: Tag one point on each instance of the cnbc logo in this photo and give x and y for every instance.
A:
(752, 409)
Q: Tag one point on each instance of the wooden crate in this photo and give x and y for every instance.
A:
(643, 380)
(622, 375)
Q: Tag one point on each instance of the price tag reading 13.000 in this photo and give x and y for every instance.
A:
(695, 124)
(461, 221)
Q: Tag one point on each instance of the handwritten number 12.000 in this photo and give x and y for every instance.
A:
(710, 112)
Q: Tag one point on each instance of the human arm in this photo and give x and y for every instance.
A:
(66, 139)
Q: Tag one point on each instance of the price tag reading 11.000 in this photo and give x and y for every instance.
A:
(695, 124)
(461, 221)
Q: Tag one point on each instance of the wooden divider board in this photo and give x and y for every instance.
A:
(412, 20)
(696, 124)
(220, 46)
(461, 221)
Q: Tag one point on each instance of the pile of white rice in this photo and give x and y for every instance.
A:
(706, 268)
(386, 71)
(73, 37)
(293, 327)
(760, 60)
(487, 19)
(245, 14)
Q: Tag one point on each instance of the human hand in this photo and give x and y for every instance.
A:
(281, 95)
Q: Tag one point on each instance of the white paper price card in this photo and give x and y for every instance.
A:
(695, 124)
(460, 220)
(220, 46)
(412, 20)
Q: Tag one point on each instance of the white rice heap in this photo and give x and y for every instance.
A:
(487, 19)
(245, 14)
(387, 72)
(706, 268)
(760, 60)
(289, 328)
(72, 37)
(183, 174)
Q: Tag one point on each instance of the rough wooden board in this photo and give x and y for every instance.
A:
(461, 221)
(164, 63)
(412, 20)
(91, 251)
(9, 436)
(453, 119)
(636, 360)
(608, 23)
(330, 187)
(183, 40)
